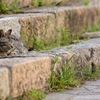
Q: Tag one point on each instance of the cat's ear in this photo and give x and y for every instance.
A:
(8, 32)
(1, 33)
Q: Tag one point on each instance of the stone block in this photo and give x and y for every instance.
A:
(85, 54)
(7, 23)
(30, 3)
(4, 83)
(81, 19)
(37, 25)
(75, 19)
(27, 73)
(91, 35)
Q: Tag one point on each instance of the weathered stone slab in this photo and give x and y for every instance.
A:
(37, 25)
(30, 3)
(28, 73)
(7, 23)
(4, 83)
(81, 3)
(35, 70)
(86, 97)
(32, 70)
(85, 54)
(89, 91)
(47, 23)
(75, 19)
(58, 96)
(91, 35)
(80, 19)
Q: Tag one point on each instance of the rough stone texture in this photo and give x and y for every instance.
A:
(80, 3)
(37, 25)
(81, 19)
(46, 23)
(22, 3)
(91, 35)
(28, 73)
(89, 91)
(31, 70)
(58, 96)
(85, 54)
(7, 23)
(75, 19)
(30, 3)
(4, 83)
(25, 3)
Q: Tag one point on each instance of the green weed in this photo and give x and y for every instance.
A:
(86, 2)
(55, 59)
(34, 40)
(32, 95)
(37, 3)
(67, 76)
(69, 47)
(66, 37)
(35, 95)
(89, 74)
(95, 27)
(38, 44)
(64, 78)
(3, 7)
(34, 43)
(14, 7)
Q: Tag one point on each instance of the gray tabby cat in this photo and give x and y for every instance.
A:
(10, 44)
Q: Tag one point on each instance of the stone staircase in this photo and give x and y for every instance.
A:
(31, 70)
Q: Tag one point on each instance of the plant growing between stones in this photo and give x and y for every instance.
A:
(14, 7)
(67, 76)
(3, 7)
(35, 43)
(33, 94)
(63, 36)
(37, 3)
(32, 41)
(89, 74)
(64, 78)
(95, 27)
(86, 2)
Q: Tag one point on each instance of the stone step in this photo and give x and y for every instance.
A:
(26, 71)
(31, 70)
(30, 3)
(10, 23)
(46, 23)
